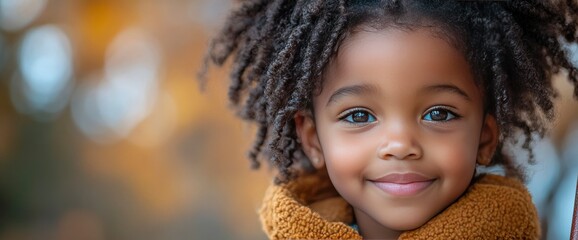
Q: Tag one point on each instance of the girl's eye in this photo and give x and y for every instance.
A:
(359, 117)
(439, 115)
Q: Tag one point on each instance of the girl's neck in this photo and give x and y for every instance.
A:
(371, 229)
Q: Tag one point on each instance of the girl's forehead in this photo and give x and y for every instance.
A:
(415, 57)
(422, 47)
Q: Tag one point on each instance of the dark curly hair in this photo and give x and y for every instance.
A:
(280, 49)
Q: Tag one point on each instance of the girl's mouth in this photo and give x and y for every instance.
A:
(404, 184)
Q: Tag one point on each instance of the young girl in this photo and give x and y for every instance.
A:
(377, 113)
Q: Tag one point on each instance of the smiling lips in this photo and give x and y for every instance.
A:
(406, 184)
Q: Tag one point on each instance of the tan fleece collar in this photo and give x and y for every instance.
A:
(494, 207)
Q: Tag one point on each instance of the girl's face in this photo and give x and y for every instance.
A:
(399, 126)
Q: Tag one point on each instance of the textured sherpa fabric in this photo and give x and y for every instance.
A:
(493, 207)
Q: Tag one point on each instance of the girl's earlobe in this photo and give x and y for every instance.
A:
(489, 138)
(317, 162)
(307, 133)
(483, 160)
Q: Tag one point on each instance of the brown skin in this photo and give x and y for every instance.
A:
(415, 109)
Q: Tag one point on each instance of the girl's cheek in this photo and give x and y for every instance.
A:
(453, 153)
(347, 153)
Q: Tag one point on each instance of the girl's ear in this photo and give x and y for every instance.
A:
(307, 133)
(488, 140)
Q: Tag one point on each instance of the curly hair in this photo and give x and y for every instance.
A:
(280, 49)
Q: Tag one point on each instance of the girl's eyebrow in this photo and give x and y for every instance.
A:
(362, 89)
(447, 88)
(358, 89)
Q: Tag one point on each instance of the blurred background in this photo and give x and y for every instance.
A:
(104, 133)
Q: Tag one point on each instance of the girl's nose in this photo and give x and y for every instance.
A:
(401, 145)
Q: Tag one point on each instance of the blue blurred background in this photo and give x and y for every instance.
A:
(104, 133)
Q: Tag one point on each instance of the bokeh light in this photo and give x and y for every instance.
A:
(126, 92)
(16, 14)
(44, 81)
(573, 49)
(207, 13)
